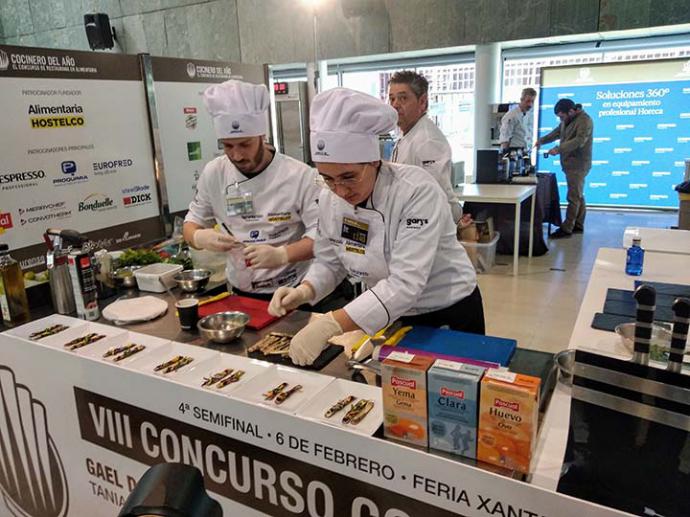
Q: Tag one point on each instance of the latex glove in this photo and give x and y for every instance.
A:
(309, 342)
(265, 256)
(287, 298)
(210, 239)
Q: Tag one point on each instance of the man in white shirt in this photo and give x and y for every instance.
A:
(514, 132)
(422, 143)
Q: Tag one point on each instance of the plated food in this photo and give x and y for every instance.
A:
(82, 341)
(174, 364)
(48, 331)
(118, 353)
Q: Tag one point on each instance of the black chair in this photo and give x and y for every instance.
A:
(171, 490)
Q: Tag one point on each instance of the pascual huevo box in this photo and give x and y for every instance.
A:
(453, 396)
(508, 418)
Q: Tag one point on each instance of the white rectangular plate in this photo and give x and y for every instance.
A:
(99, 348)
(251, 368)
(204, 359)
(338, 390)
(58, 340)
(312, 384)
(27, 329)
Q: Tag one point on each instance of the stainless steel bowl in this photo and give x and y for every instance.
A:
(565, 361)
(124, 276)
(192, 280)
(223, 327)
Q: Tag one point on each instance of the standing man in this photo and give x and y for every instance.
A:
(514, 133)
(422, 143)
(575, 148)
(264, 201)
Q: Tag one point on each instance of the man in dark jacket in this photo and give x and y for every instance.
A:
(575, 148)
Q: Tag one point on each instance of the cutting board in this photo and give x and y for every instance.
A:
(256, 309)
(461, 344)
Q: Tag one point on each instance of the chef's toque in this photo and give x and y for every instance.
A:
(238, 109)
(345, 126)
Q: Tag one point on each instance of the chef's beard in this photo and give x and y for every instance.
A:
(251, 166)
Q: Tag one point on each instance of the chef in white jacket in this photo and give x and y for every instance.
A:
(264, 202)
(382, 223)
(422, 143)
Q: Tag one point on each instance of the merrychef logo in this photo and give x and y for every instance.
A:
(405, 383)
(447, 392)
(513, 406)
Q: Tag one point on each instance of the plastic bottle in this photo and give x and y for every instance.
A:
(635, 258)
(13, 303)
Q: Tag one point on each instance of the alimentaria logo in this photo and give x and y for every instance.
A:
(33, 481)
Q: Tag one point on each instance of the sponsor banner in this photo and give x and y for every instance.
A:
(66, 64)
(73, 141)
(638, 129)
(188, 140)
(100, 426)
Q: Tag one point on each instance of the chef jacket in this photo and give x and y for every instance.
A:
(426, 146)
(285, 210)
(514, 129)
(402, 244)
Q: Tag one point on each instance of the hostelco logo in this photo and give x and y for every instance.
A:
(447, 392)
(32, 480)
(96, 203)
(513, 406)
(404, 383)
(61, 116)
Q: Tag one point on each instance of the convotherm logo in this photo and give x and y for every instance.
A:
(33, 480)
(45, 212)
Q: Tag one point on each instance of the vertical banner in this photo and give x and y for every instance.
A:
(76, 151)
(641, 115)
(187, 138)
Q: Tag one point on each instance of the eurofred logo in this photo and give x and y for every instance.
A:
(37, 486)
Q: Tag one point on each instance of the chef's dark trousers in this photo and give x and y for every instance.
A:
(466, 315)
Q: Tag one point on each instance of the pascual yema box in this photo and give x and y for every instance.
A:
(453, 394)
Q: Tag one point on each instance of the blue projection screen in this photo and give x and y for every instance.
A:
(641, 115)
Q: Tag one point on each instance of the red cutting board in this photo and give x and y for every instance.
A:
(256, 309)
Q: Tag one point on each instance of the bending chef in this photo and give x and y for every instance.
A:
(382, 223)
(264, 201)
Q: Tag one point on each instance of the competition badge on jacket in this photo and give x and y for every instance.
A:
(238, 201)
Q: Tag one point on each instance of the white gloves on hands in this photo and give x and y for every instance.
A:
(210, 239)
(287, 298)
(309, 342)
(265, 256)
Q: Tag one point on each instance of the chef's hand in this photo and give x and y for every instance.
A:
(209, 239)
(553, 151)
(265, 256)
(287, 298)
(308, 343)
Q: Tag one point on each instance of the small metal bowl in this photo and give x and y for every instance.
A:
(223, 327)
(192, 280)
(660, 343)
(124, 276)
(565, 361)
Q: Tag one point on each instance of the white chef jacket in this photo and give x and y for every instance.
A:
(412, 262)
(427, 147)
(285, 210)
(514, 129)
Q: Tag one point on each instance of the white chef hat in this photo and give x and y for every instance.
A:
(238, 109)
(345, 126)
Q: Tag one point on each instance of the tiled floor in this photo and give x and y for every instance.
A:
(540, 305)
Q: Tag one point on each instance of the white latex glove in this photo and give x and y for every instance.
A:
(265, 256)
(309, 342)
(287, 298)
(210, 239)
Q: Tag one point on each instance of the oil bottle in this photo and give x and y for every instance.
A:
(13, 302)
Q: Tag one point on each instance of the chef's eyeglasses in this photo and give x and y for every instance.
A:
(351, 180)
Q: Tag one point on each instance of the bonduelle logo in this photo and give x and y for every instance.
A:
(37, 487)
(96, 203)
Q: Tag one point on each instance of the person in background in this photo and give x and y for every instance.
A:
(264, 202)
(422, 143)
(385, 224)
(575, 148)
(514, 132)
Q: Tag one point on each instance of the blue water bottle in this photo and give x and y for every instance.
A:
(635, 258)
